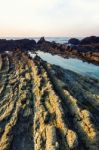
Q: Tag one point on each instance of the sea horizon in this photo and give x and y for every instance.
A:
(57, 39)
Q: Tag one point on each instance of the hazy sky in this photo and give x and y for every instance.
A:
(49, 17)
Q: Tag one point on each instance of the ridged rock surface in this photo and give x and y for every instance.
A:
(40, 108)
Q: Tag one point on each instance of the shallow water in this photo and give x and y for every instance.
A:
(74, 64)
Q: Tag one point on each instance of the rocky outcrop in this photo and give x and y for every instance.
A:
(90, 40)
(42, 40)
(39, 111)
(74, 41)
(24, 44)
(83, 51)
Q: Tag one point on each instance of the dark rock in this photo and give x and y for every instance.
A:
(74, 41)
(90, 40)
(42, 40)
(9, 45)
(26, 44)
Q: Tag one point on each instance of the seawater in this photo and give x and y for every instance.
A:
(73, 64)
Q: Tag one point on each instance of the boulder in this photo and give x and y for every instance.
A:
(74, 41)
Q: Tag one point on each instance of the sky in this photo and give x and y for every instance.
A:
(31, 18)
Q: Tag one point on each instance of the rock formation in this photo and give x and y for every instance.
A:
(74, 41)
(38, 111)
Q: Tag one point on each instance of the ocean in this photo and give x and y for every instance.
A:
(73, 64)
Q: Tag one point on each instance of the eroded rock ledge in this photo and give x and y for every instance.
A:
(39, 111)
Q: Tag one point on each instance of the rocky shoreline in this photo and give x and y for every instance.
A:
(86, 52)
(45, 107)
(87, 49)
